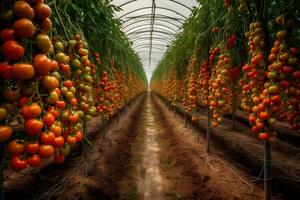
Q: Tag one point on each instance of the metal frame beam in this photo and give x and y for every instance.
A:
(143, 20)
(149, 7)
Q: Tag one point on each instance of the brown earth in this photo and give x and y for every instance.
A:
(148, 154)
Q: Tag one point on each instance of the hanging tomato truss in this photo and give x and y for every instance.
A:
(237, 56)
(61, 64)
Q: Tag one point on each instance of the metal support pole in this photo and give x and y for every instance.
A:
(208, 132)
(267, 170)
(2, 150)
(185, 116)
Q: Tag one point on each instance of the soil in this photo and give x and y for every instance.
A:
(147, 154)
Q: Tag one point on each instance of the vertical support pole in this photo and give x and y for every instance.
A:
(267, 170)
(104, 128)
(2, 150)
(85, 144)
(208, 132)
(185, 116)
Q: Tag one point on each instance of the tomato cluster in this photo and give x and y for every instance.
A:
(220, 89)
(53, 85)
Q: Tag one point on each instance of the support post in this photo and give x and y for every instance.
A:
(185, 116)
(267, 170)
(2, 150)
(208, 132)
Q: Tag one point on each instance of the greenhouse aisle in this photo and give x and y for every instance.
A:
(147, 154)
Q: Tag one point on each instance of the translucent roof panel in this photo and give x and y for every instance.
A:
(151, 26)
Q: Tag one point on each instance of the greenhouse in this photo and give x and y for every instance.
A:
(149, 100)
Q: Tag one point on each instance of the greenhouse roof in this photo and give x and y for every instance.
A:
(151, 25)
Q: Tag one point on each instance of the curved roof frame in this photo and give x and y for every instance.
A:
(151, 25)
(143, 38)
(147, 46)
(132, 1)
(160, 26)
(143, 20)
(157, 16)
(154, 44)
(141, 34)
(157, 7)
(147, 30)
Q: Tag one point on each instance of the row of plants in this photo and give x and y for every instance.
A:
(237, 55)
(62, 63)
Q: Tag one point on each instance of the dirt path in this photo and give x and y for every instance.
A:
(149, 181)
(149, 154)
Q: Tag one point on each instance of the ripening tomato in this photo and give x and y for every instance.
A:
(47, 137)
(33, 127)
(5, 132)
(263, 136)
(43, 42)
(12, 50)
(60, 104)
(56, 129)
(24, 28)
(34, 161)
(32, 147)
(31, 111)
(79, 136)
(53, 97)
(50, 82)
(6, 70)
(264, 115)
(23, 71)
(3, 114)
(42, 64)
(42, 11)
(49, 119)
(15, 147)
(17, 163)
(54, 112)
(58, 159)
(71, 140)
(58, 142)
(7, 34)
(73, 118)
(21, 9)
(46, 151)
(46, 24)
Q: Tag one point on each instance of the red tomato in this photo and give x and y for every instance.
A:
(49, 119)
(5, 132)
(17, 163)
(34, 161)
(12, 50)
(71, 140)
(73, 118)
(263, 136)
(79, 136)
(15, 148)
(33, 127)
(58, 142)
(60, 104)
(7, 34)
(46, 151)
(47, 138)
(54, 112)
(31, 111)
(6, 71)
(32, 147)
